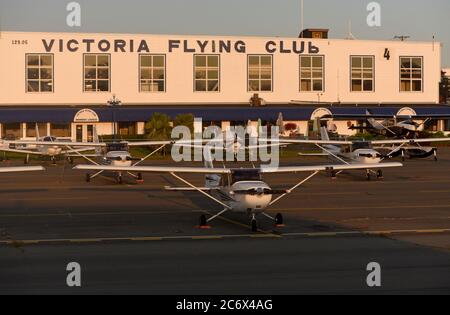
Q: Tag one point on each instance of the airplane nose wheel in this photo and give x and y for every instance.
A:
(254, 224)
(279, 219)
(203, 222)
(380, 174)
(368, 176)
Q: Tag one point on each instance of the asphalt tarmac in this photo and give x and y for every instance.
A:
(139, 238)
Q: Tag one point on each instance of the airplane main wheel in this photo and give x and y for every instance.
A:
(279, 219)
(203, 222)
(368, 176)
(380, 174)
(140, 177)
(120, 180)
(88, 178)
(254, 225)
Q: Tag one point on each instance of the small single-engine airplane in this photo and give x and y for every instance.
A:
(398, 126)
(368, 152)
(236, 189)
(43, 146)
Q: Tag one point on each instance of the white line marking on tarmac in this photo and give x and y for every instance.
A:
(221, 237)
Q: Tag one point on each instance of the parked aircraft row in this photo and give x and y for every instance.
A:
(234, 189)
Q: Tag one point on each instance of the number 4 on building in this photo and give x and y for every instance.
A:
(387, 54)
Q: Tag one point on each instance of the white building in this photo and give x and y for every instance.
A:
(64, 80)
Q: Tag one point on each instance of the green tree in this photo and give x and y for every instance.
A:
(158, 128)
(186, 120)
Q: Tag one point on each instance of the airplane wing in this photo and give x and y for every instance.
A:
(320, 142)
(319, 168)
(21, 151)
(154, 169)
(59, 143)
(410, 141)
(21, 169)
(202, 170)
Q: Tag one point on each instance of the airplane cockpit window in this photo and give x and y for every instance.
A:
(49, 139)
(245, 175)
(117, 147)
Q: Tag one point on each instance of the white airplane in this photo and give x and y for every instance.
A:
(236, 189)
(43, 146)
(397, 125)
(367, 152)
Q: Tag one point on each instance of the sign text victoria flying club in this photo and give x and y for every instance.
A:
(175, 45)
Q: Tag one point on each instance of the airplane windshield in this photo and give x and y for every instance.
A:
(117, 147)
(49, 139)
(245, 175)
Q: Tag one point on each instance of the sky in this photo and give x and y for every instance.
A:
(420, 19)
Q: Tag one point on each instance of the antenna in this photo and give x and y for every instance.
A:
(302, 17)
(350, 34)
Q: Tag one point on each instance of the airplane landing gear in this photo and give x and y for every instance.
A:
(435, 155)
(254, 224)
(380, 174)
(203, 222)
(368, 175)
(279, 220)
(53, 160)
(120, 179)
(88, 178)
(27, 159)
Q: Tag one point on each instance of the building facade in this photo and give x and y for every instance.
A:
(63, 80)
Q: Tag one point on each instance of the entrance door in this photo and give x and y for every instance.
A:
(79, 133)
(90, 133)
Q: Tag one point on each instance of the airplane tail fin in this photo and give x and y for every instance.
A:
(37, 132)
(211, 180)
(96, 139)
(324, 134)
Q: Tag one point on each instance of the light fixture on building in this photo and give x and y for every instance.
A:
(113, 103)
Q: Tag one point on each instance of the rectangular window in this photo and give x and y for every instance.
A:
(152, 73)
(12, 131)
(31, 129)
(206, 73)
(311, 74)
(97, 73)
(127, 129)
(39, 73)
(260, 70)
(411, 74)
(362, 74)
(61, 130)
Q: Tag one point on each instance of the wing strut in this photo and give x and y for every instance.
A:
(227, 207)
(293, 188)
(149, 155)
(332, 154)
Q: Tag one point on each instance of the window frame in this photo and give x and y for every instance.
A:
(362, 68)
(207, 68)
(272, 80)
(39, 68)
(422, 79)
(96, 71)
(311, 79)
(140, 72)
